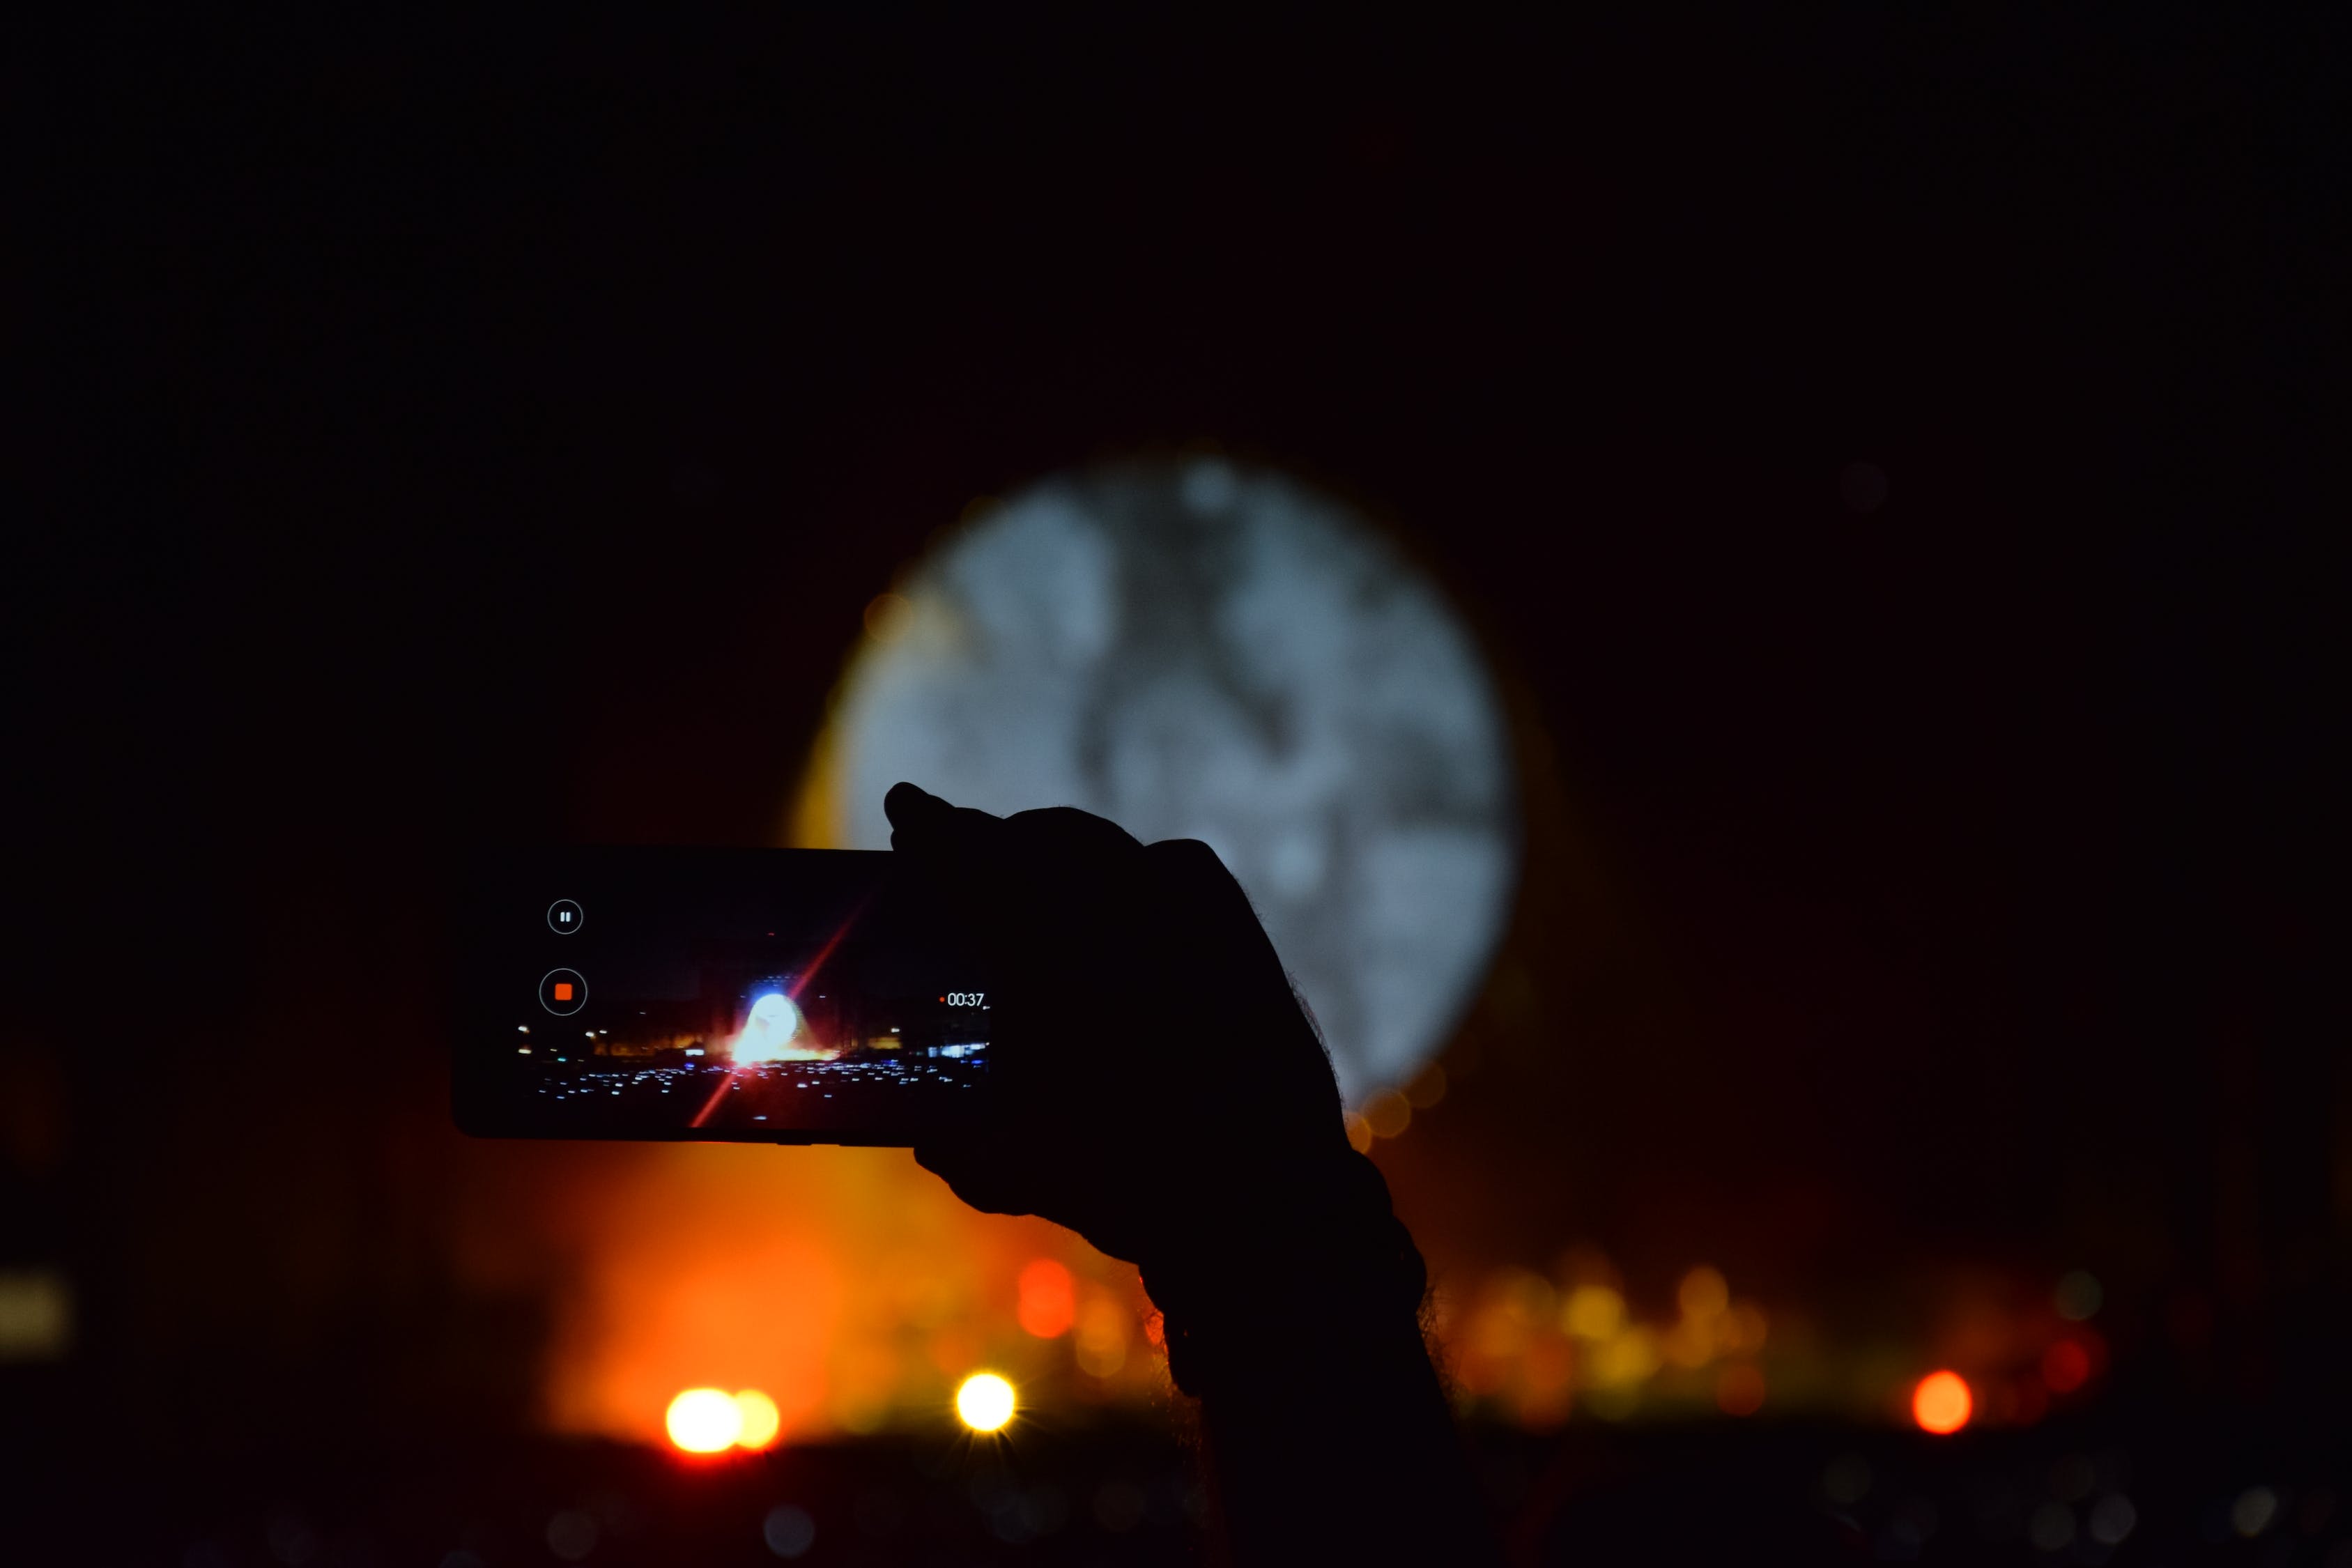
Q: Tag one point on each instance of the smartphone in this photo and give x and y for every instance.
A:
(737, 995)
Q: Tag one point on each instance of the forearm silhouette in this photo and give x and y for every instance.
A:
(1163, 1093)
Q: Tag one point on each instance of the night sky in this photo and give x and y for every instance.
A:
(443, 436)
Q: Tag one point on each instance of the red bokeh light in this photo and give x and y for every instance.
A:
(2065, 1366)
(1739, 1390)
(1049, 1299)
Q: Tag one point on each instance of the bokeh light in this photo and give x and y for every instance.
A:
(2254, 1511)
(1739, 1390)
(2079, 1295)
(1104, 1328)
(1388, 1113)
(2065, 1366)
(1048, 1298)
(788, 1531)
(705, 1421)
(984, 1402)
(1703, 1293)
(760, 1420)
(1593, 1312)
(1941, 1403)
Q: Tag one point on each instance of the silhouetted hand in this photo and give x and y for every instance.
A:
(1156, 1080)
(1158, 1087)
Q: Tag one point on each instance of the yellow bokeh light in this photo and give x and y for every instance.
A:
(760, 1420)
(984, 1401)
(704, 1421)
(1628, 1359)
(1593, 1312)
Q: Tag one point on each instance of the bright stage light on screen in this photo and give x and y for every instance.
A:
(705, 1421)
(767, 1032)
(1205, 650)
(984, 1401)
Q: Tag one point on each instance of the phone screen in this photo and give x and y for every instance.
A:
(772, 996)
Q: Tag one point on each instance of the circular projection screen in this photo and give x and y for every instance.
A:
(1202, 650)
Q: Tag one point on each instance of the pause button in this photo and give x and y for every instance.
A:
(564, 917)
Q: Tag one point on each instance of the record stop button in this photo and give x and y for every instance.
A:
(561, 992)
(564, 917)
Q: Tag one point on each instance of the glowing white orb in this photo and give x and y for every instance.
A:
(767, 1034)
(704, 1421)
(984, 1401)
(1206, 651)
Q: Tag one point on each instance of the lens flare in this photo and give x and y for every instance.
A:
(986, 1401)
(1941, 1403)
(705, 1421)
(759, 1419)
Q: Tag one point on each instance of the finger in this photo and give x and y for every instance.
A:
(930, 828)
(913, 812)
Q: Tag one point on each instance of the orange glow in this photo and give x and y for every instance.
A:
(1941, 1403)
(1049, 1300)
(848, 1286)
(760, 1420)
(986, 1401)
(704, 1421)
(2065, 1367)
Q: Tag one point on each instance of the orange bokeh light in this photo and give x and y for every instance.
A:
(704, 1421)
(1739, 1389)
(1942, 1403)
(1049, 1299)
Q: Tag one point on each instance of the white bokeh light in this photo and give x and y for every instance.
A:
(1206, 651)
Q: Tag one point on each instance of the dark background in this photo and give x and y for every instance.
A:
(441, 436)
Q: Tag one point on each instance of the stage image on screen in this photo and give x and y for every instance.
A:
(746, 994)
